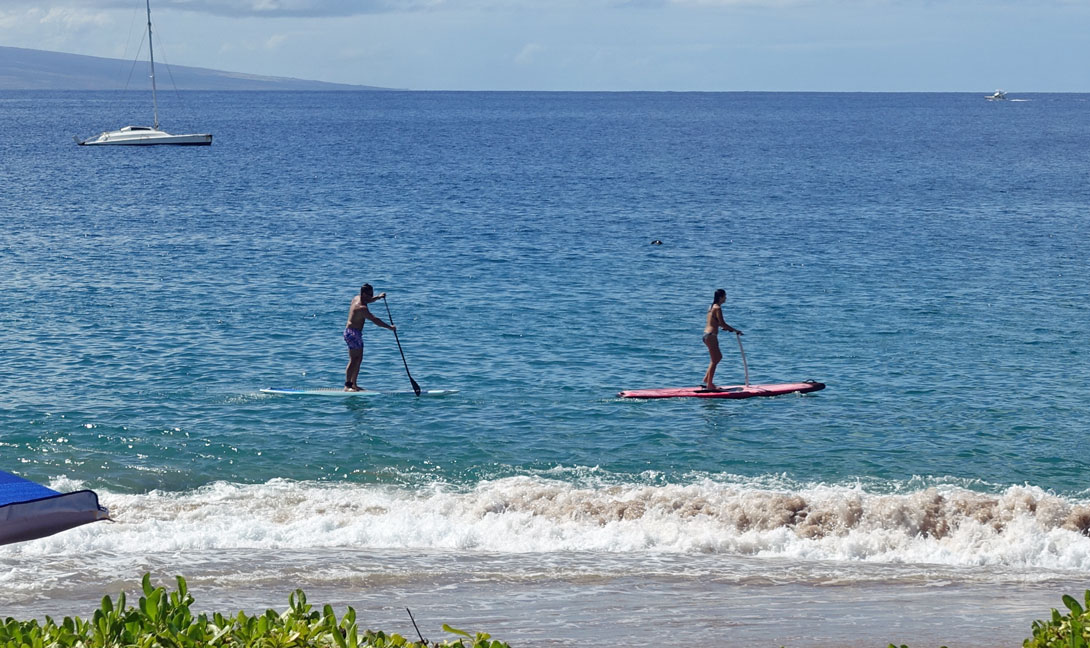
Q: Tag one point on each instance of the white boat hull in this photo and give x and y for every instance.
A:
(147, 135)
(142, 136)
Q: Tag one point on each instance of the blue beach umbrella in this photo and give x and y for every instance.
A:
(29, 510)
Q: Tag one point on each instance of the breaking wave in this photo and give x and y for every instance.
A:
(1019, 527)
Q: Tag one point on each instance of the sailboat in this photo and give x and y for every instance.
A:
(147, 135)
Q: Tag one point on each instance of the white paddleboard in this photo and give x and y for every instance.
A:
(334, 391)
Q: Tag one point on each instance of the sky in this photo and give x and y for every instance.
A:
(613, 45)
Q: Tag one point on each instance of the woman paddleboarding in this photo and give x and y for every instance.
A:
(712, 323)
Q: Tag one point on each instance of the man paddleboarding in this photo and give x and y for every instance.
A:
(358, 313)
(712, 323)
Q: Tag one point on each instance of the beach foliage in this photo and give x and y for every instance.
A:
(1071, 630)
(163, 619)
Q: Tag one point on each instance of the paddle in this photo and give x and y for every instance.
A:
(416, 387)
(745, 365)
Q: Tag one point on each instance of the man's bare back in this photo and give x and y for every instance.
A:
(357, 313)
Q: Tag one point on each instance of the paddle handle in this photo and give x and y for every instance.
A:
(745, 365)
(389, 316)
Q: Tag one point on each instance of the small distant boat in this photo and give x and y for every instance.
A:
(147, 135)
(998, 96)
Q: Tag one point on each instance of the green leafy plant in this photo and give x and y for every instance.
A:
(163, 619)
(1071, 630)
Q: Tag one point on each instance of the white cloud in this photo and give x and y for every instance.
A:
(225, 8)
(528, 53)
(344, 8)
(20, 19)
(69, 17)
(592, 44)
(287, 8)
(735, 3)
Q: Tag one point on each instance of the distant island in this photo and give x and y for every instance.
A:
(28, 69)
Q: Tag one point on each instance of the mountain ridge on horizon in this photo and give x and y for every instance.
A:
(31, 69)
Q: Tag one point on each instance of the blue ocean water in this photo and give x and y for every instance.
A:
(922, 254)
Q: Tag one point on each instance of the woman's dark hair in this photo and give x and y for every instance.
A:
(366, 288)
(719, 294)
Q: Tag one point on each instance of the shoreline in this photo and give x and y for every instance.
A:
(566, 606)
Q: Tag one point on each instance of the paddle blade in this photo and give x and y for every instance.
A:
(416, 387)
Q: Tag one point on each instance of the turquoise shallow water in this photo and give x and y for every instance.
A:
(924, 255)
(887, 245)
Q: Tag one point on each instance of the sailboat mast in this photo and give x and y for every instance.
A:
(151, 57)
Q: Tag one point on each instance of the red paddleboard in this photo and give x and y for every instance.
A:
(732, 391)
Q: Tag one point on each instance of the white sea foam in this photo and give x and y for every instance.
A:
(1020, 527)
